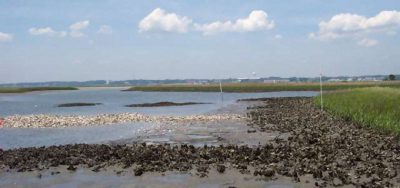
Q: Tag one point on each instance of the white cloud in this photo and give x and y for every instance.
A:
(159, 20)
(105, 29)
(257, 20)
(47, 31)
(353, 25)
(76, 28)
(5, 37)
(368, 42)
(80, 25)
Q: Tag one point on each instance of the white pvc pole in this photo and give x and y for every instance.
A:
(222, 95)
(220, 86)
(320, 87)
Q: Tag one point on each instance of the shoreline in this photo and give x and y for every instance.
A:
(19, 90)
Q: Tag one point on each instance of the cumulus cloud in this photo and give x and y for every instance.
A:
(368, 42)
(353, 25)
(105, 29)
(160, 20)
(5, 37)
(76, 28)
(46, 31)
(257, 20)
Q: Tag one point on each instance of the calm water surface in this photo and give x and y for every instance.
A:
(114, 101)
(33, 137)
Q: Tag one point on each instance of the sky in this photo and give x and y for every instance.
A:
(75, 40)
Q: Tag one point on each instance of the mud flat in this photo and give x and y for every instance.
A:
(77, 104)
(161, 104)
(320, 150)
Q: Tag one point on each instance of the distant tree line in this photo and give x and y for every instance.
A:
(391, 77)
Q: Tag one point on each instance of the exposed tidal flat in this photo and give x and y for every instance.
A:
(281, 141)
(164, 103)
(310, 148)
(77, 104)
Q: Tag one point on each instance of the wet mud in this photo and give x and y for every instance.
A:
(162, 104)
(77, 104)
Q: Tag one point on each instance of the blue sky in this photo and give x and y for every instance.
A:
(121, 39)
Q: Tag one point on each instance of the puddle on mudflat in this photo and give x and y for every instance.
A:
(200, 137)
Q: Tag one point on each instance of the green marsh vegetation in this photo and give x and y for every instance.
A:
(31, 89)
(262, 87)
(375, 107)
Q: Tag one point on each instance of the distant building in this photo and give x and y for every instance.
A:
(247, 80)
(334, 80)
(276, 81)
(365, 79)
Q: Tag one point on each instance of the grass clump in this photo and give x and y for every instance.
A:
(261, 87)
(31, 89)
(375, 107)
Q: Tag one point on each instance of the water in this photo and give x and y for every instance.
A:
(33, 137)
(114, 101)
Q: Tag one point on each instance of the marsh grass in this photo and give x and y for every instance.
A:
(375, 107)
(262, 87)
(31, 89)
